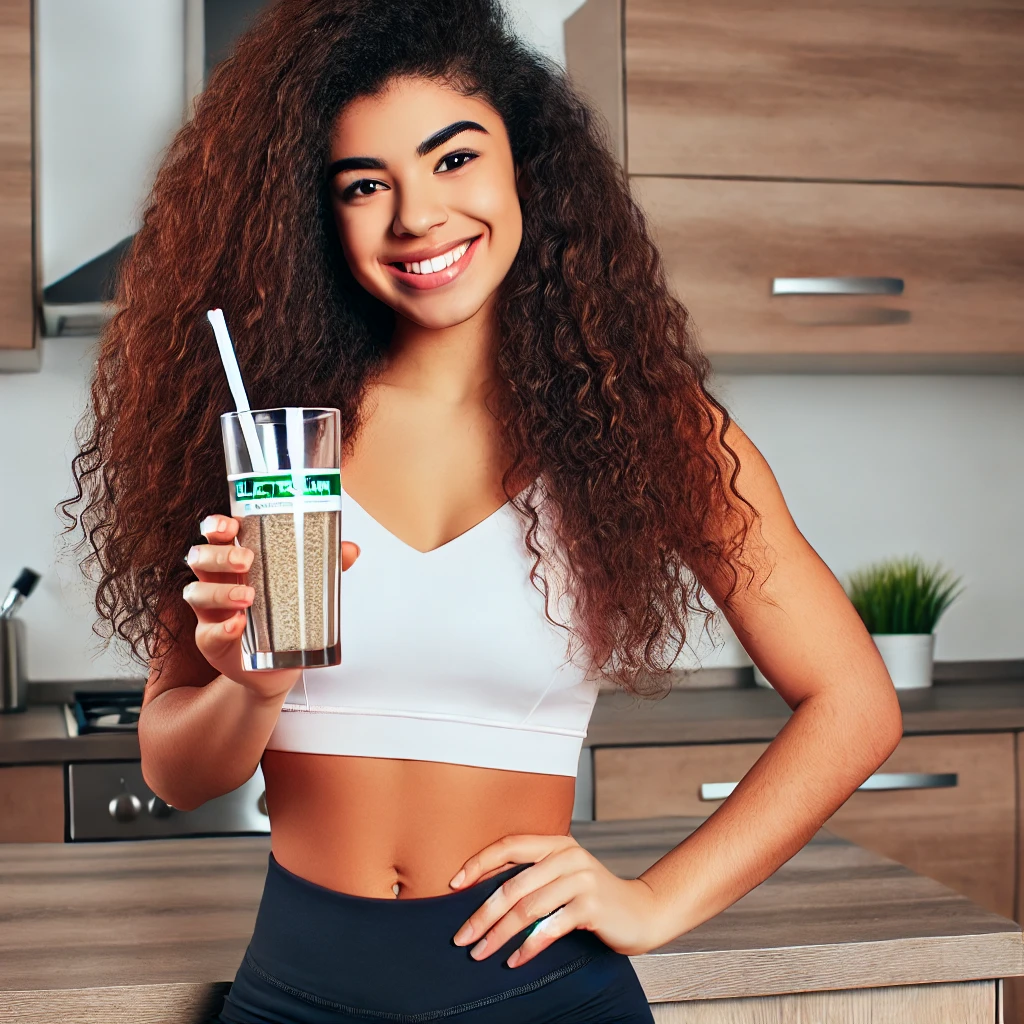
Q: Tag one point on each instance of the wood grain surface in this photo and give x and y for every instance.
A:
(17, 267)
(165, 915)
(959, 251)
(880, 90)
(758, 713)
(963, 836)
(32, 803)
(593, 58)
(970, 1003)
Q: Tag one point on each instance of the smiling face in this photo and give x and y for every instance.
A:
(423, 190)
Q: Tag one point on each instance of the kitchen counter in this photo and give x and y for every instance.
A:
(686, 715)
(39, 734)
(734, 714)
(155, 930)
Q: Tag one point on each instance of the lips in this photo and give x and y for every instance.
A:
(436, 278)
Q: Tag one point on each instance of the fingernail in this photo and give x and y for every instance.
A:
(477, 951)
(208, 525)
(463, 935)
(240, 593)
(513, 959)
(458, 879)
(193, 555)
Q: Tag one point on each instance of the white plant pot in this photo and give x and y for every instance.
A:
(909, 657)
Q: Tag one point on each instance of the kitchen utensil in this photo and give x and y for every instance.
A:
(13, 684)
(20, 589)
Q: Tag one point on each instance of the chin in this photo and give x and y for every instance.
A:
(440, 315)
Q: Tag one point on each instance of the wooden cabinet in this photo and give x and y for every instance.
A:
(17, 273)
(905, 90)
(958, 254)
(32, 803)
(962, 835)
(836, 187)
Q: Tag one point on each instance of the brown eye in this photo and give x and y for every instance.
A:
(363, 187)
(455, 161)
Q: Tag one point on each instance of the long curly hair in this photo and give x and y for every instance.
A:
(605, 391)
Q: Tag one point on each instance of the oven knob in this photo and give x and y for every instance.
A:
(125, 807)
(261, 804)
(159, 808)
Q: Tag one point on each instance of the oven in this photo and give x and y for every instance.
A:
(109, 799)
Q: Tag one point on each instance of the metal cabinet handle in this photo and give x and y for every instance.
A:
(878, 781)
(837, 286)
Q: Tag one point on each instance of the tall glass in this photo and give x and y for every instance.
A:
(291, 519)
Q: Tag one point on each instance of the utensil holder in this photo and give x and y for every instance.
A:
(13, 684)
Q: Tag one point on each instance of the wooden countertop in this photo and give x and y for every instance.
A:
(733, 714)
(686, 715)
(121, 931)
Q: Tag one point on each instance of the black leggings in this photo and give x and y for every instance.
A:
(319, 956)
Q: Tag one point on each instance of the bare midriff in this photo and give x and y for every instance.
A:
(400, 829)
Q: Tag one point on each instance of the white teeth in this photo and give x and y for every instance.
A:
(431, 266)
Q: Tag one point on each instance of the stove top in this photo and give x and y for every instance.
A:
(104, 711)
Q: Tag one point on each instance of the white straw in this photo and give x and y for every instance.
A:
(227, 357)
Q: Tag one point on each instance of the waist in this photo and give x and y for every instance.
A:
(364, 825)
(332, 946)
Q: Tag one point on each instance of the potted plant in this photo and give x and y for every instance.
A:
(900, 601)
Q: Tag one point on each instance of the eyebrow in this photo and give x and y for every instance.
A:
(439, 138)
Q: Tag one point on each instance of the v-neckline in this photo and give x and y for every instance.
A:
(440, 547)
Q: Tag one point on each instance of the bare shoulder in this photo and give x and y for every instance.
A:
(792, 615)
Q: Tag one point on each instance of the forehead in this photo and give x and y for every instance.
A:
(398, 118)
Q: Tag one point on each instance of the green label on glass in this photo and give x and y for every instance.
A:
(317, 484)
(269, 493)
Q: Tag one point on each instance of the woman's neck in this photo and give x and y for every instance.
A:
(454, 365)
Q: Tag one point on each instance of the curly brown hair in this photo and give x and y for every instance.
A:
(605, 383)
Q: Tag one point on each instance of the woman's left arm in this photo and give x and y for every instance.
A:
(812, 646)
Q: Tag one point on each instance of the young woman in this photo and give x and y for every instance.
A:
(408, 215)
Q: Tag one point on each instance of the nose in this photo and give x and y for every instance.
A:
(418, 211)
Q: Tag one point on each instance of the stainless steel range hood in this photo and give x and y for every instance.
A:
(82, 302)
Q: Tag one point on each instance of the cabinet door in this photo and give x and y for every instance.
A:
(903, 90)
(17, 302)
(960, 834)
(648, 782)
(784, 275)
(32, 803)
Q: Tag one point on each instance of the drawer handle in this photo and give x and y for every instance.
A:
(878, 781)
(837, 286)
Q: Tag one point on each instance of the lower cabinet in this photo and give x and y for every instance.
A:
(959, 831)
(32, 803)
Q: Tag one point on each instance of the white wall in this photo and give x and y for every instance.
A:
(870, 465)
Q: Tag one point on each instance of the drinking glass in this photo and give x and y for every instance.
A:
(290, 515)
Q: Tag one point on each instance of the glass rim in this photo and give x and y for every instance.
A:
(326, 410)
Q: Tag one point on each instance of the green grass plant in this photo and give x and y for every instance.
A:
(902, 595)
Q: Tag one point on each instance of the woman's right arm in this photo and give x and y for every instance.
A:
(205, 721)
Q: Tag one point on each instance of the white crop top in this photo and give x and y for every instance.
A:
(446, 656)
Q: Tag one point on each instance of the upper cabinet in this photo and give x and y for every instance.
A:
(835, 186)
(17, 276)
(892, 91)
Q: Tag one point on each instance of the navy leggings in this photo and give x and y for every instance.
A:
(319, 956)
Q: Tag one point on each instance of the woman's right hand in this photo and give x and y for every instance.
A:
(219, 597)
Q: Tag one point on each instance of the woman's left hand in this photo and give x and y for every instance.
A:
(566, 886)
